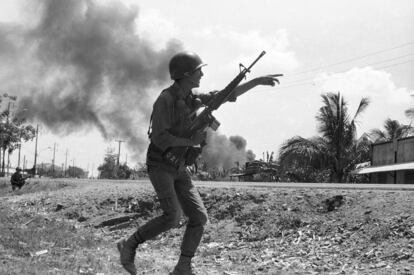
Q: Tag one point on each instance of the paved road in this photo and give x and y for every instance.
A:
(365, 186)
(241, 184)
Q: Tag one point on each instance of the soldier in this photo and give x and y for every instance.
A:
(173, 185)
(17, 180)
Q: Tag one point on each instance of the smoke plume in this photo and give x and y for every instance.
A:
(223, 153)
(81, 65)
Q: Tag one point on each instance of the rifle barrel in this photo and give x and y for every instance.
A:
(257, 59)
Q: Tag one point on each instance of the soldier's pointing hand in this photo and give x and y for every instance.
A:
(268, 80)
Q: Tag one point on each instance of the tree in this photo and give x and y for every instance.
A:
(336, 147)
(110, 170)
(393, 130)
(13, 130)
(107, 170)
(410, 112)
(124, 172)
(76, 172)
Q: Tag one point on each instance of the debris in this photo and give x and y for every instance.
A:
(85, 270)
(58, 207)
(82, 219)
(111, 221)
(333, 202)
(29, 221)
(119, 226)
(38, 253)
(214, 244)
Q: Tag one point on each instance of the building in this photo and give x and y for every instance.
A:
(258, 170)
(391, 162)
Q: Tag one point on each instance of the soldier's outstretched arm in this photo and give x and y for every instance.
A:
(267, 80)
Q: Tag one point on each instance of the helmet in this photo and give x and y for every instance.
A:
(183, 64)
(18, 169)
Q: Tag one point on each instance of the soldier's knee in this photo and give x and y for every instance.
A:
(203, 218)
(199, 220)
(172, 219)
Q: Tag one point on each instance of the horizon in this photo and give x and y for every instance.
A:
(358, 49)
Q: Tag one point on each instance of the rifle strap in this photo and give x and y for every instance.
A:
(149, 132)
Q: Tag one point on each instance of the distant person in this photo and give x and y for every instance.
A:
(17, 180)
(175, 191)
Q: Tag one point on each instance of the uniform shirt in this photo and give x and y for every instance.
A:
(16, 179)
(170, 118)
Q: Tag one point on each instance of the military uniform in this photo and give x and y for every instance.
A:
(170, 118)
(173, 112)
(17, 180)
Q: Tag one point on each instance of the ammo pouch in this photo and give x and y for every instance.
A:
(192, 155)
(174, 156)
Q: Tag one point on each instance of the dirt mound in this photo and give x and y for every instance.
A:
(273, 231)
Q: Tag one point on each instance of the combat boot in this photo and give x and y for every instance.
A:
(182, 271)
(183, 267)
(127, 250)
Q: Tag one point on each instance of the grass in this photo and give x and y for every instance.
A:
(24, 235)
(280, 231)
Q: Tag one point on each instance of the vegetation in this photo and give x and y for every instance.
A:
(111, 170)
(13, 130)
(393, 130)
(53, 226)
(335, 151)
(410, 112)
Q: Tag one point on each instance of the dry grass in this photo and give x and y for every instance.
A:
(275, 231)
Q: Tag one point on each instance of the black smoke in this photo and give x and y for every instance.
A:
(224, 153)
(81, 64)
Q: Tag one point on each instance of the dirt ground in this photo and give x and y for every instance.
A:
(71, 227)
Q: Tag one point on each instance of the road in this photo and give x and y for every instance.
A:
(241, 184)
(365, 186)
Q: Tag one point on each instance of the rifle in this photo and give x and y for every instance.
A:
(177, 155)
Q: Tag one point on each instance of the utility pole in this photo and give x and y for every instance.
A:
(24, 162)
(119, 151)
(35, 156)
(18, 159)
(53, 160)
(66, 161)
(8, 161)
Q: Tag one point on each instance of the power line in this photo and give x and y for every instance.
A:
(372, 64)
(311, 81)
(307, 81)
(354, 58)
(409, 61)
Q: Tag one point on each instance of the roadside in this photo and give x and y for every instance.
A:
(53, 227)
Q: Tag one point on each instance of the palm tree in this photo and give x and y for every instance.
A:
(336, 147)
(410, 112)
(393, 130)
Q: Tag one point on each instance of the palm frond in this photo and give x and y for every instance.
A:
(377, 135)
(301, 150)
(363, 104)
(410, 113)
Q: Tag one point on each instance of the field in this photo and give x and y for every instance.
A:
(71, 227)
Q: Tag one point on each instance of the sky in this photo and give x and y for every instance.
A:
(87, 72)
